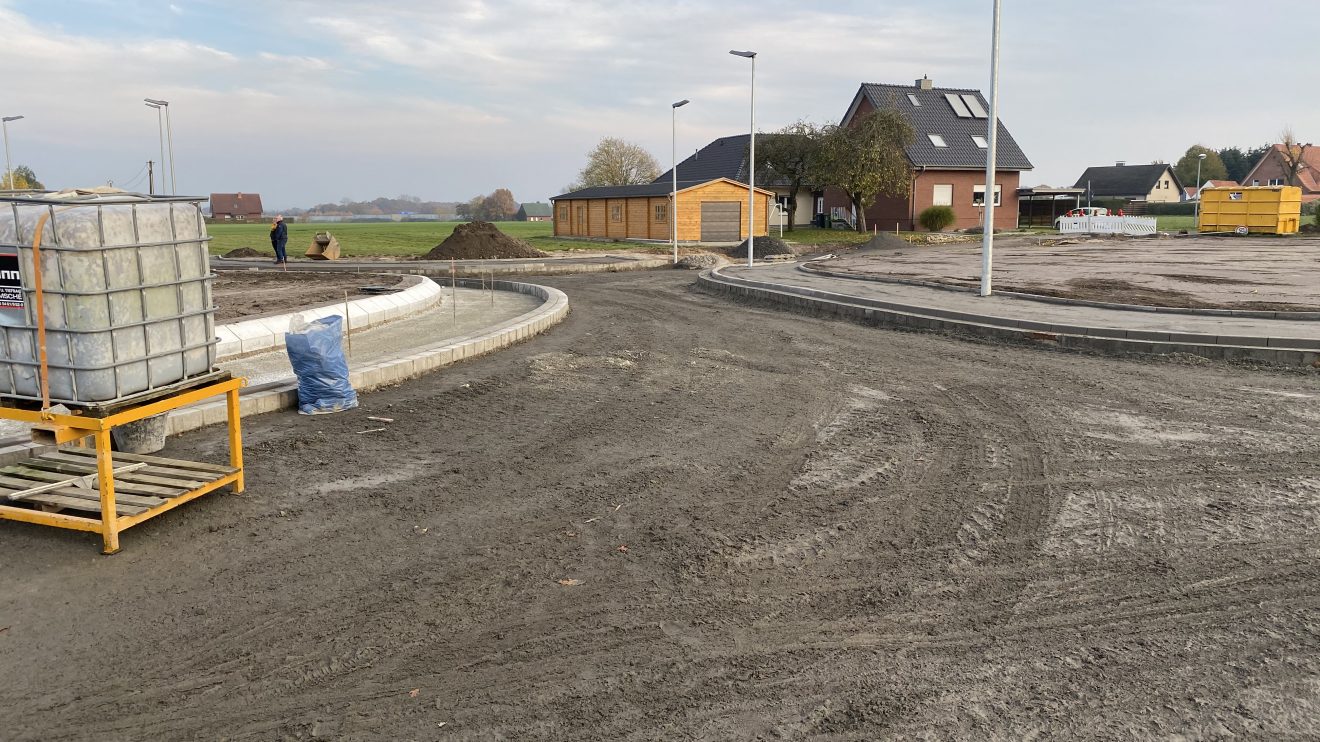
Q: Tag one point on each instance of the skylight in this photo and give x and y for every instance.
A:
(914, 100)
(980, 141)
(937, 140)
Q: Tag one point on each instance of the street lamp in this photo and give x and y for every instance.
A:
(673, 153)
(751, 162)
(169, 129)
(9, 170)
(988, 231)
(1197, 206)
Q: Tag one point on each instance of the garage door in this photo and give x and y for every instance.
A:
(721, 221)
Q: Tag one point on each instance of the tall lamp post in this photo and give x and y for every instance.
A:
(673, 198)
(1197, 206)
(988, 231)
(751, 162)
(169, 132)
(9, 170)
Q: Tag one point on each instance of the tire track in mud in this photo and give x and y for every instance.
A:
(834, 532)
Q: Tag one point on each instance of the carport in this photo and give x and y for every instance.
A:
(1040, 206)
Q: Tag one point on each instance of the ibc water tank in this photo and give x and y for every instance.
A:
(126, 286)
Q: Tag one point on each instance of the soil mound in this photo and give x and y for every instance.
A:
(246, 252)
(481, 241)
(697, 262)
(884, 241)
(764, 246)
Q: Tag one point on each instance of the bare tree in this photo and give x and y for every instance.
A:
(615, 162)
(793, 154)
(868, 158)
(1293, 155)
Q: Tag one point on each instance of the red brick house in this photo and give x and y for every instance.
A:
(237, 207)
(948, 157)
(1271, 170)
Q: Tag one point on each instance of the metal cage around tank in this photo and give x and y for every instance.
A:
(121, 305)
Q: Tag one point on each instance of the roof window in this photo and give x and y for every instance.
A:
(974, 105)
(980, 141)
(959, 107)
(937, 140)
(914, 100)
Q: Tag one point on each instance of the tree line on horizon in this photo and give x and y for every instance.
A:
(1235, 163)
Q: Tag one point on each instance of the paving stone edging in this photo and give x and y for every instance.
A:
(409, 364)
(812, 268)
(263, 334)
(1286, 352)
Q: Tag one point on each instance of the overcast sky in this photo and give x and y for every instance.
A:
(307, 101)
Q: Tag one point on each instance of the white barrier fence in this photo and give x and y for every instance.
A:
(1135, 226)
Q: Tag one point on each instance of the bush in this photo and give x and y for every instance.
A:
(1182, 208)
(936, 218)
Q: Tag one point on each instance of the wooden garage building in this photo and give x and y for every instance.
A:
(708, 211)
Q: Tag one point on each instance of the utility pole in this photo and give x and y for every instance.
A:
(151, 178)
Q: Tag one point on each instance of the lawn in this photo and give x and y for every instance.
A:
(393, 239)
(1175, 223)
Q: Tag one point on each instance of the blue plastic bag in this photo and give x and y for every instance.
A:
(316, 352)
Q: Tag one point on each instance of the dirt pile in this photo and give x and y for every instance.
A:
(763, 247)
(698, 262)
(885, 241)
(246, 252)
(481, 241)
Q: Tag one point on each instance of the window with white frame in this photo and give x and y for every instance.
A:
(1275, 181)
(978, 195)
(943, 195)
(937, 140)
(820, 204)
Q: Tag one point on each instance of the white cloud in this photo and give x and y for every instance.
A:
(315, 99)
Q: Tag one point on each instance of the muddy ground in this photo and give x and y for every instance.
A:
(674, 517)
(1247, 273)
(246, 294)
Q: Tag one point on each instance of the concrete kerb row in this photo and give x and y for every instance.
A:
(264, 334)
(399, 367)
(1286, 351)
(814, 268)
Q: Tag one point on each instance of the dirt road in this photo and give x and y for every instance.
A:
(676, 518)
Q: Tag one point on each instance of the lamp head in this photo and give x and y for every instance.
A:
(1201, 156)
(153, 102)
(7, 119)
(682, 103)
(748, 55)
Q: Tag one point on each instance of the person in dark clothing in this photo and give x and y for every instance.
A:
(279, 237)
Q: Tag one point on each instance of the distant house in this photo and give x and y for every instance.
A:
(237, 207)
(1139, 184)
(948, 157)
(534, 212)
(1271, 170)
(708, 211)
(1190, 193)
(726, 157)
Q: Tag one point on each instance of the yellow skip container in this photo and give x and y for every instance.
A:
(1257, 209)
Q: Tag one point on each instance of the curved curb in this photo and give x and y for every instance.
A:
(808, 267)
(1299, 352)
(550, 266)
(409, 364)
(238, 339)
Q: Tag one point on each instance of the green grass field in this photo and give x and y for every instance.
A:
(393, 239)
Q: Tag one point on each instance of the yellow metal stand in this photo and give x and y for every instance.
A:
(40, 489)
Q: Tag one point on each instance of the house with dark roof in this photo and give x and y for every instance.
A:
(236, 207)
(1272, 170)
(1137, 184)
(534, 212)
(710, 211)
(726, 157)
(947, 157)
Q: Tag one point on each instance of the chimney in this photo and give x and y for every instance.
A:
(1120, 163)
(925, 83)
